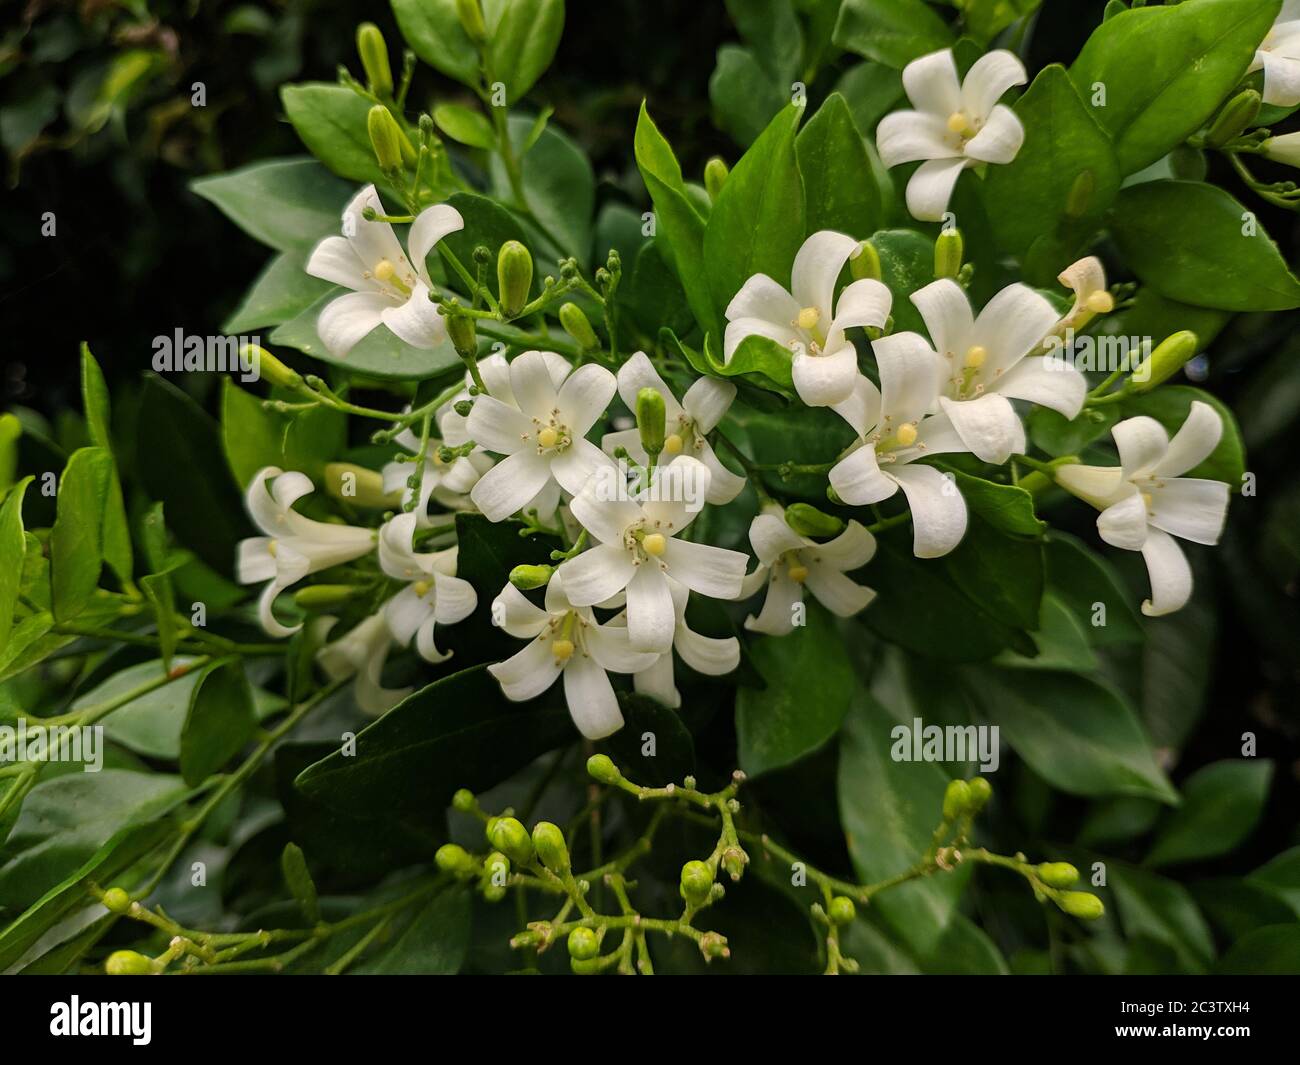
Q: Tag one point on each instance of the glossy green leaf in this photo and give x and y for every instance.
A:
(219, 721)
(906, 265)
(464, 125)
(773, 34)
(890, 31)
(433, 30)
(331, 122)
(95, 400)
(522, 38)
(1086, 585)
(1003, 574)
(282, 291)
(654, 746)
(833, 160)
(434, 942)
(1150, 905)
(1005, 507)
(558, 187)
(744, 95)
(77, 539)
(1222, 803)
(13, 549)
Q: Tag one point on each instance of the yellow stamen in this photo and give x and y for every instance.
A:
(562, 650)
(798, 573)
(957, 122)
(384, 270)
(548, 437)
(673, 444)
(422, 588)
(655, 544)
(976, 356)
(906, 435)
(808, 318)
(270, 548)
(1146, 500)
(1100, 303)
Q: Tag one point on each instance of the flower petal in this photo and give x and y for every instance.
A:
(334, 259)
(713, 571)
(707, 401)
(910, 377)
(741, 328)
(1099, 485)
(851, 550)
(1142, 443)
(638, 373)
(372, 241)
(777, 616)
(857, 479)
(517, 615)
(573, 466)
(530, 381)
(761, 297)
(1124, 524)
(597, 574)
(456, 599)
(946, 311)
(866, 302)
(817, 267)
(908, 136)
(989, 426)
(592, 702)
(724, 485)
(1000, 139)
(836, 592)
(938, 510)
(608, 645)
(771, 538)
(988, 79)
(430, 226)
(657, 681)
(713, 656)
(1195, 440)
(862, 408)
(1049, 382)
(930, 188)
(508, 486)
(582, 398)
(823, 380)
(651, 618)
(417, 321)
(605, 519)
(497, 426)
(344, 321)
(1011, 324)
(931, 83)
(1169, 572)
(1190, 508)
(529, 673)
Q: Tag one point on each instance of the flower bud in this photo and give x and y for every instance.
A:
(509, 836)
(1237, 115)
(464, 801)
(455, 860)
(948, 251)
(496, 868)
(1081, 904)
(956, 799)
(807, 520)
(650, 415)
(734, 861)
(696, 883)
(1283, 149)
(1169, 357)
(842, 911)
(358, 486)
(575, 323)
(526, 578)
(318, 598)
(514, 277)
(715, 176)
(463, 334)
(600, 767)
(583, 944)
(866, 264)
(385, 137)
(1058, 874)
(374, 59)
(127, 963)
(471, 20)
(548, 840)
(1081, 193)
(979, 792)
(117, 900)
(269, 368)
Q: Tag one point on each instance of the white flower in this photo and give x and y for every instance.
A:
(294, 545)
(1087, 280)
(565, 639)
(1278, 56)
(1145, 502)
(361, 653)
(808, 321)
(955, 125)
(985, 364)
(788, 562)
(686, 424)
(893, 433)
(447, 482)
(542, 433)
(638, 549)
(435, 595)
(386, 288)
(1283, 149)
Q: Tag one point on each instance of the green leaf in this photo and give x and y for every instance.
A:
(985, 19)
(219, 722)
(94, 397)
(282, 291)
(744, 95)
(253, 437)
(1005, 507)
(809, 682)
(772, 32)
(13, 548)
(1225, 260)
(677, 221)
(757, 224)
(1089, 588)
(1167, 69)
(298, 879)
(833, 160)
(456, 732)
(1281, 876)
(645, 720)
(331, 122)
(434, 942)
(465, 125)
(1270, 951)
(889, 810)
(522, 38)
(906, 265)
(1170, 404)
(287, 204)
(871, 90)
(157, 584)
(1152, 906)
(1059, 639)
(1029, 196)
(890, 31)
(77, 539)
(558, 183)
(185, 472)
(1058, 436)
(1003, 574)
(1222, 803)
(433, 30)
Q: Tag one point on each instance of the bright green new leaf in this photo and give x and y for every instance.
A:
(840, 192)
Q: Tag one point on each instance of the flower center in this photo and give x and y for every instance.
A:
(806, 321)
(386, 274)
(422, 588)
(976, 356)
(906, 435)
(960, 123)
(655, 544)
(1100, 302)
(562, 649)
(564, 642)
(673, 444)
(552, 435)
(797, 570)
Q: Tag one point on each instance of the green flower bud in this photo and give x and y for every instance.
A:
(842, 911)
(385, 137)
(359, 486)
(980, 793)
(1081, 193)
(696, 883)
(319, 598)
(956, 799)
(948, 251)
(583, 944)
(514, 277)
(127, 963)
(509, 836)
(117, 900)
(526, 578)
(1058, 874)
(1081, 904)
(496, 866)
(269, 368)
(1169, 357)
(464, 801)
(374, 58)
(866, 264)
(599, 767)
(650, 416)
(715, 176)
(548, 840)
(463, 334)
(1236, 117)
(575, 323)
(471, 20)
(734, 861)
(455, 860)
(807, 520)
